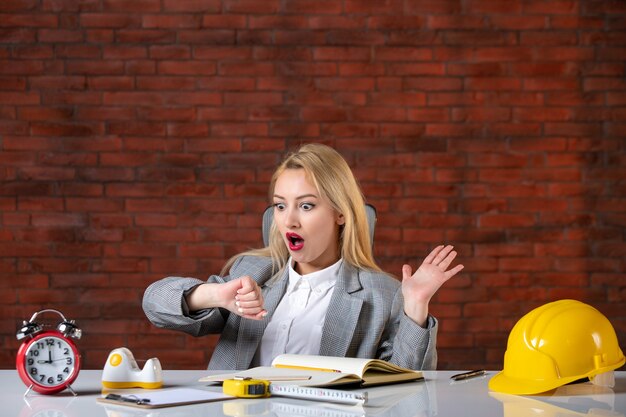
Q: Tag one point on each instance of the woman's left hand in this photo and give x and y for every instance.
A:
(420, 287)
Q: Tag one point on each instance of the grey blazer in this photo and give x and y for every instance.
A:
(365, 317)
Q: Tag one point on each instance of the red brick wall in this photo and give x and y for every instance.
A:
(137, 138)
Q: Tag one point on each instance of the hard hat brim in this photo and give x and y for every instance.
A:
(503, 383)
(500, 382)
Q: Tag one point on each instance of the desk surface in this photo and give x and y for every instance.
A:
(436, 396)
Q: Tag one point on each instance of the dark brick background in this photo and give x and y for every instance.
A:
(137, 138)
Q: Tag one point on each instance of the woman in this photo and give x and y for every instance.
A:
(315, 289)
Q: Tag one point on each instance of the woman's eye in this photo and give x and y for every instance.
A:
(279, 206)
(307, 206)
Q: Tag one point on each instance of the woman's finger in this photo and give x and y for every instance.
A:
(431, 256)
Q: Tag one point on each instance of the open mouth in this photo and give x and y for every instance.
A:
(295, 241)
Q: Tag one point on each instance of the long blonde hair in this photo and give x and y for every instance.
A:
(332, 177)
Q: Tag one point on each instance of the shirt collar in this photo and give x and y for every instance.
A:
(324, 278)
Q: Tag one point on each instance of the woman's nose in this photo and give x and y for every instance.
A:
(291, 218)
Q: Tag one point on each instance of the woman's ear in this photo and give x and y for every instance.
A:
(340, 219)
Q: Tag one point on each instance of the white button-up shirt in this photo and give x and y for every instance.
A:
(296, 325)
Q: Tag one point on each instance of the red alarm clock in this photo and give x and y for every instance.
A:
(48, 361)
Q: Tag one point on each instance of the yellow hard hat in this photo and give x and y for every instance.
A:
(555, 344)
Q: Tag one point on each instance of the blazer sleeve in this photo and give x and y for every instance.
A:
(409, 345)
(165, 306)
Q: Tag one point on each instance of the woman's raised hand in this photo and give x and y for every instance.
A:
(419, 288)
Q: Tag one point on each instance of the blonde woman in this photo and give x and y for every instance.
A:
(315, 289)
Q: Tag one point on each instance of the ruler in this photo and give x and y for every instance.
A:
(319, 394)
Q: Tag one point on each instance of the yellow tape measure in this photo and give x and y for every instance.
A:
(247, 387)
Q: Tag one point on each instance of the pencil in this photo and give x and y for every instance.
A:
(306, 368)
(282, 378)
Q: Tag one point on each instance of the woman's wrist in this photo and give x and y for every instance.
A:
(418, 313)
(204, 296)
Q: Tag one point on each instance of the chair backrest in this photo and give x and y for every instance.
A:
(268, 217)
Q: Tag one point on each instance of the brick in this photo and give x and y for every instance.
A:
(17, 5)
(213, 37)
(555, 7)
(127, 159)
(433, 83)
(575, 22)
(363, 6)
(336, 22)
(29, 20)
(329, 53)
(481, 115)
(153, 144)
(104, 113)
(542, 38)
(382, 113)
(95, 68)
(519, 22)
(395, 22)
(229, 129)
(169, 51)
(20, 98)
(213, 145)
(109, 20)
(59, 36)
(187, 129)
(492, 83)
(169, 174)
(187, 68)
(542, 115)
(132, 6)
(149, 36)
(272, 113)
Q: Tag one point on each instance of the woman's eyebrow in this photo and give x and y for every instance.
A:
(297, 198)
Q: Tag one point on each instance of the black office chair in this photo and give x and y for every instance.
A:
(268, 216)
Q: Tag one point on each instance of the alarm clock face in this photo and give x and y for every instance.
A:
(49, 362)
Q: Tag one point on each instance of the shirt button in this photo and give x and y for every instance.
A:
(284, 326)
(317, 291)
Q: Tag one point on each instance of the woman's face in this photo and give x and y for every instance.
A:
(308, 224)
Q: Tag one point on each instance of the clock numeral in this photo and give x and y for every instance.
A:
(66, 351)
(51, 380)
(59, 378)
(42, 377)
(40, 345)
(66, 370)
(34, 353)
(49, 342)
(33, 371)
(69, 361)
(30, 361)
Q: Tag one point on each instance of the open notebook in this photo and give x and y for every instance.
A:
(322, 371)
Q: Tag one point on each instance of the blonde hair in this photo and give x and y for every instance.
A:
(330, 174)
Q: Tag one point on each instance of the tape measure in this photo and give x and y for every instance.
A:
(246, 387)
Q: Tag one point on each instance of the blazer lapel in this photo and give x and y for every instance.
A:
(343, 313)
(251, 331)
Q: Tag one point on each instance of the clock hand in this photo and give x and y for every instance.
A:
(49, 358)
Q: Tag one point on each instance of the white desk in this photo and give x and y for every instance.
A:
(436, 396)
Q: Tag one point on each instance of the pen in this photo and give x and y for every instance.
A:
(467, 375)
(130, 399)
(306, 368)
